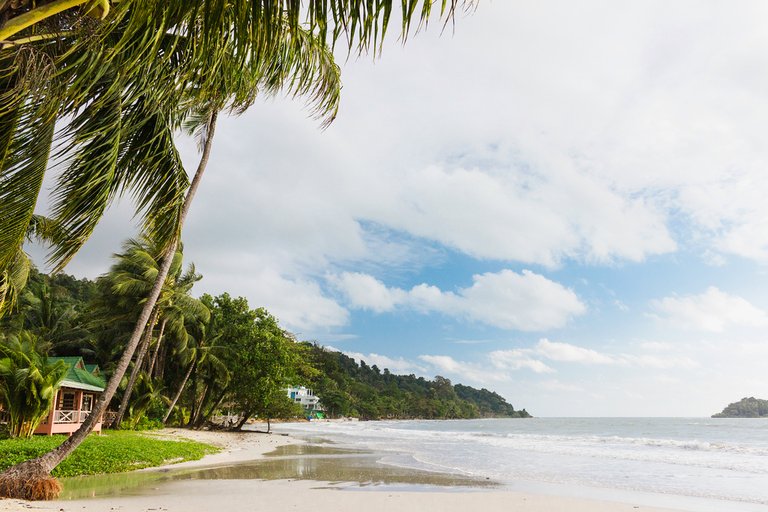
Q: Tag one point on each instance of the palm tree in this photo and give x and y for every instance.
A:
(132, 276)
(305, 66)
(198, 349)
(148, 392)
(115, 86)
(126, 86)
(28, 383)
(177, 307)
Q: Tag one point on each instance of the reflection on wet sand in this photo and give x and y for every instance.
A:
(297, 461)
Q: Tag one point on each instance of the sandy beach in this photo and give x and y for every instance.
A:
(292, 494)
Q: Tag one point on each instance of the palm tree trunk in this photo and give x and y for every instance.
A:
(25, 479)
(157, 347)
(180, 390)
(160, 367)
(136, 370)
(193, 405)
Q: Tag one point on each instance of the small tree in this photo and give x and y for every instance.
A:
(276, 404)
(28, 383)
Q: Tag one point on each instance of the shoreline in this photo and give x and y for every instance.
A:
(324, 496)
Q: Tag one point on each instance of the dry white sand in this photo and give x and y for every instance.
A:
(287, 495)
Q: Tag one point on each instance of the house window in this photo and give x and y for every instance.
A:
(67, 402)
(87, 402)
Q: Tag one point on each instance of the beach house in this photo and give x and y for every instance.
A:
(307, 399)
(75, 398)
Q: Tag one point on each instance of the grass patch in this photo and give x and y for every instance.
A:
(111, 452)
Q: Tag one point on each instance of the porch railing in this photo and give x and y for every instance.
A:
(71, 416)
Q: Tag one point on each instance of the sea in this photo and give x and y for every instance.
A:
(698, 464)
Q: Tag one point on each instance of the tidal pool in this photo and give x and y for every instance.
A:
(324, 463)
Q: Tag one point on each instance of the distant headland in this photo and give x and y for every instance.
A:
(745, 408)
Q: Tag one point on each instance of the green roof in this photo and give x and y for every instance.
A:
(93, 369)
(78, 375)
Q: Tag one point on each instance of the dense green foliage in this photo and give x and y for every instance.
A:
(111, 452)
(259, 359)
(346, 388)
(53, 307)
(745, 408)
(28, 382)
(200, 356)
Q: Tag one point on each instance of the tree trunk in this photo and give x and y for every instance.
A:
(193, 405)
(180, 390)
(199, 409)
(22, 480)
(157, 347)
(246, 416)
(269, 426)
(160, 367)
(136, 370)
(214, 406)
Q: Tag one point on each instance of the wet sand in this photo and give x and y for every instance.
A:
(296, 476)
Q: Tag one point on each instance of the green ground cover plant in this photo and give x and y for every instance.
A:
(110, 452)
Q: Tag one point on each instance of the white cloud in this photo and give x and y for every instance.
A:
(366, 292)
(656, 346)
(298, 303)
(558, 386)
(565, 352)
(501, 211)
(525, 301)
(658, 362)
(464, 371)
(517, 359)
(713, 310)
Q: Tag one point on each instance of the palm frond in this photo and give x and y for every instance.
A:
(87, 185)
(27, 118)
(13, 278)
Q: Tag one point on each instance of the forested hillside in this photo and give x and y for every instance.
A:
(346, 388)
(745, 408)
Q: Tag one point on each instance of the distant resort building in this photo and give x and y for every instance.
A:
(308, 401)
(77, 394)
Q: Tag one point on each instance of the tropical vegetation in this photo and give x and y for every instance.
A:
(28, 382)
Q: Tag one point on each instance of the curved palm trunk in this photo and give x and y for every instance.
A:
(136, 370)
(31, 479)
(180, 390)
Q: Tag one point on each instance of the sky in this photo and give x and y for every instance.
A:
(563, 202)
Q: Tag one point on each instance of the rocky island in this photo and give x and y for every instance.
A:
(745, 408)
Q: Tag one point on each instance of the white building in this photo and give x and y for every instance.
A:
(304, 397)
